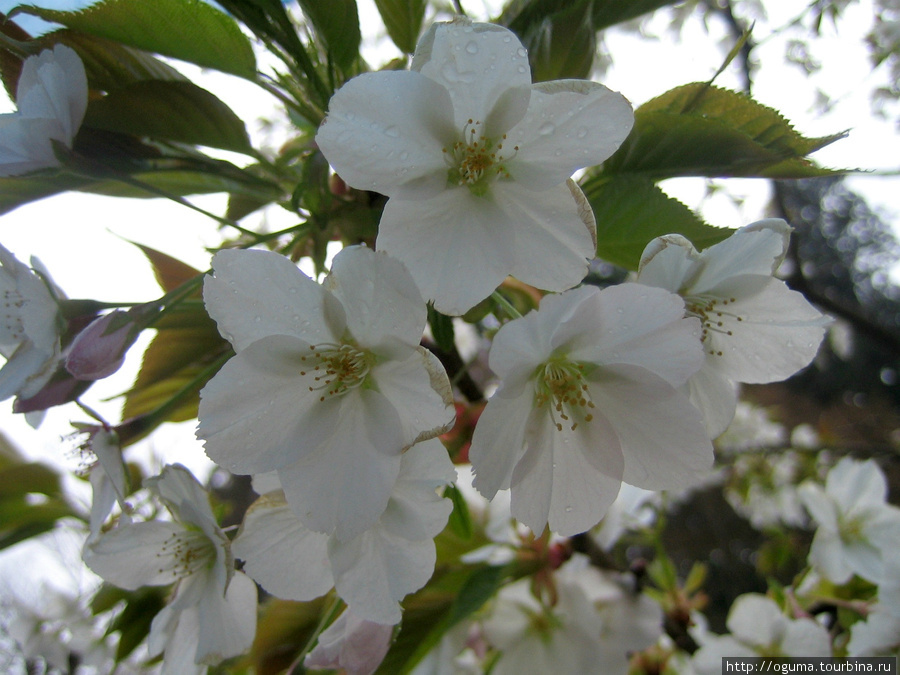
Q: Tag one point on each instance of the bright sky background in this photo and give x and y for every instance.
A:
(83, 240)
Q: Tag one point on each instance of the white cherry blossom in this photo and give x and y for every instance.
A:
(878, 635)
(212, 613)
(476, 162)
(371, 572)
(590, 397)
(755, 329)
(30, 326)
(52, 97)
(857, 529)
(759, 628)
(594, 624)
(329, 384)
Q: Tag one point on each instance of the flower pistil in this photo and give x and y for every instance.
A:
(561, 383)
(475, 161)
(337, 368)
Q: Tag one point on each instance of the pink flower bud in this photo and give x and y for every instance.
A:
(356, 645)
(99, 350)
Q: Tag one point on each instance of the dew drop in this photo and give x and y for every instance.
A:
(582, 132)
(257, 318)
(404, 155)
(471, 48)
(546, 129)
(392, 131)
(507, 39)
(521, 53)
(522, 69)
(568, 509)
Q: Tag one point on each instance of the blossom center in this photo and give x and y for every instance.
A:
(476, 161)
(562, 384)
(187, 552)
(713, 312)
(336, 368)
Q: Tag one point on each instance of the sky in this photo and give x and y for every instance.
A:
(86, 241)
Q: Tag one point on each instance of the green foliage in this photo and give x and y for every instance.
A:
(441, 329)
(559, 37)
(631, 210)
(403, 20)
(133, 623)
(701, 130)
(170, 110)
(460, 519)
(336, 22)
(31, 500)
(436, 609)
(190, 30)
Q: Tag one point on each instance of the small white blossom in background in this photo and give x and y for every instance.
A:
(371, 572)
(763, 489)
(59, 628)
(476, 162)
(30, 326)
(758, 627)
(751, 428)
(328, 385)
(755, 329)
(51, 97)
(857, 529)
(634, 509)
(878, 635)
(211, 615)
(590, 397)
(596, 622)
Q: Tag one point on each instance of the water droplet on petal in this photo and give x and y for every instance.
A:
(582, 132)
(392, 131)
(404, 155)
(471, 48)
(522, 69)
(546, 129)
(568, 509)
(521, 53)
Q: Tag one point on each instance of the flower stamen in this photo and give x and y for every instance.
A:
(476, 161)
(711, 311)
(562, 384)
(336, 368)
(188, 551)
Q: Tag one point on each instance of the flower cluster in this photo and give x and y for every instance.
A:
(331, 393)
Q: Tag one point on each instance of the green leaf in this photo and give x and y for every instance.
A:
(441, 329)
(21, 520)
(437, 608)
(701, 130)
(174, 360)
(631, 211)
(337, 24)
(403, 20)
(460, 518)
(22, 479)
(559, 37)
(610, 12)
(190, 30)
(170, 272)
(110, 65)
(169, 110)
(133, 624)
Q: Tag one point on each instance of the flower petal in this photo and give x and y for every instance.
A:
(377, 569)
(570, 124)
(385, 311)
(227, 624)
(667, 262)
(567, 478)
(766, 333)
(53, 85)
(715, 397)
(135, 555)
(637, 325)
(415, 510)
(351, 644)
(756, 249)
(460, 276)
(663, 438)
(499, 439)
(258, 413)
(555, 226)
(280, 553)
(476, 62)
(409, 385)
(385, 132)
(344, 486)
(254, 294)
